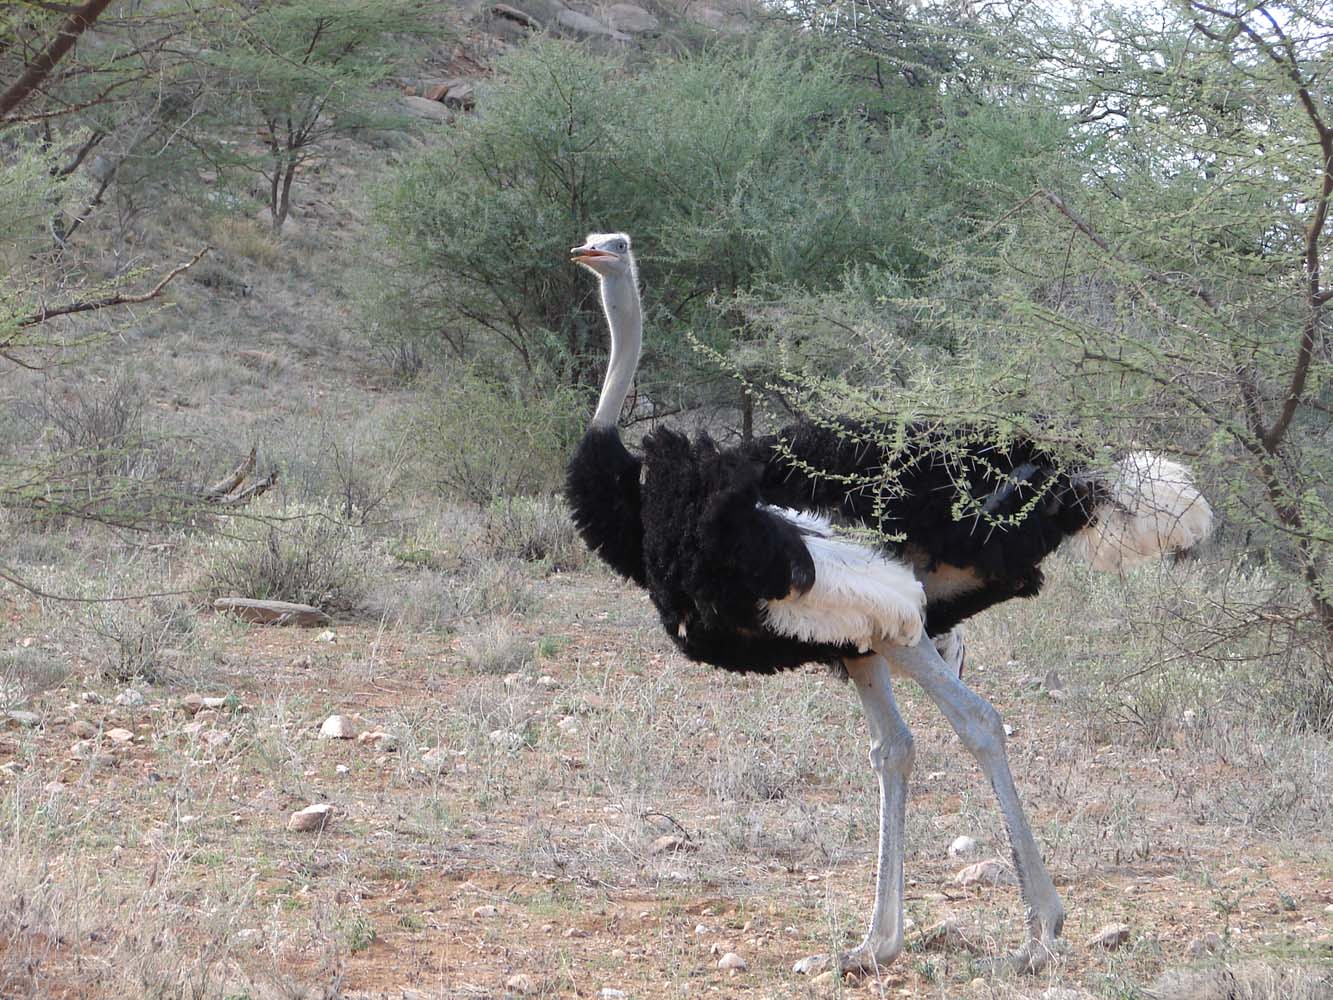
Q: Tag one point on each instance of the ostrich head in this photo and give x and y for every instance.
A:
(606, 255)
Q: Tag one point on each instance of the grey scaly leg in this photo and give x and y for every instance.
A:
(891, 753)
(979, 726)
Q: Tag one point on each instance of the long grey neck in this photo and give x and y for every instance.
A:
(624, 314)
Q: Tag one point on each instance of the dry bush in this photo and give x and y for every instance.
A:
(535, 529)
(310, 559)
(141, 640)
(496, 649)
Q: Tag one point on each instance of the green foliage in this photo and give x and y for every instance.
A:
(478, 439)
(741, 167)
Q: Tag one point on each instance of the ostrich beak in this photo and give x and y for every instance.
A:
(580, 255)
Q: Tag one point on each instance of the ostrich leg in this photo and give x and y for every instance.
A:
(979, 726)
(891, 755)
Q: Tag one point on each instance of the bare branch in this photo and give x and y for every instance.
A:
(75, 24)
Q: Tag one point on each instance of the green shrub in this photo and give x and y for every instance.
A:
(479, 440)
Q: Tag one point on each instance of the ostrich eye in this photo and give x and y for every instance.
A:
(622, 246)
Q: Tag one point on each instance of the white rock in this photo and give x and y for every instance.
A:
(53, 787)
(486, 912)
(547, 682)
(811, 965)
(584, 25)
(338, 727)
(120, 736)
(961, 846)
(631, 18)
(380, 740)
(519, 984)
(505, 739)
(731, 961)
(700, 930)
(328, 635)
(992, 871)
(1110, 937)
(129, 698)
(342, 769)
(1062, 993)
(608, 993)
(311, 819)
(90, 698)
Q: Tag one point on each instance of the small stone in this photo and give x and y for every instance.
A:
(947, 935)
(992, 871)
(120, 736)
(23, 720)
(338, 727)
(731, 961)
(342, 769)
(519, 984)
(505, 739)
(129, 698)
(191, 703)
(90, 698)
(380, 740)
(811, 964)
(669, 843)
(609, 993)
(53, 787)
(547, 683)
(575, 932)
(631, 18)
(83, 749)
(328, 635)
(83, 729)
(214, 702)
(311, 819)
(1110, 937)
(1204, 945)
(486, 912)
(700, 930)
(962, 846)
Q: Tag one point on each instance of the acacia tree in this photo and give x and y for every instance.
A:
(302, 73)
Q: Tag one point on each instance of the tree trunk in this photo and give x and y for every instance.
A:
(747, 414)
(75, 24)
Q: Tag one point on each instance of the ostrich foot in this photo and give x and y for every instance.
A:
(1034, 956)
(865, 957)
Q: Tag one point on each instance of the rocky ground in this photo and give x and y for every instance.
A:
(367, 812)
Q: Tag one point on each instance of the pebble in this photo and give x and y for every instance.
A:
(380, 740)
(992, 871)
(962, 845)
(609, 993)
(311, 819)
(192, 702)
(328, 635)
(342, 769)
(700, 930)
(1110, 937)
(83, 729)
(486, 911)
(82, 749)
(129, 698)
(90, 698)
(23, 720)
(575, 932)
(731, 961)
(505, 738)
(519, 984)
(120, 736)
(338, 727)
(547, 683)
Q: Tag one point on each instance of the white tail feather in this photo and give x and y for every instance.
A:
(1155, 508)
(859, 596)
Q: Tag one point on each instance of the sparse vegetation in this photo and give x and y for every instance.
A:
(840, 213)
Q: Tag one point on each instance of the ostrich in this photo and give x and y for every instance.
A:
(747, 575)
